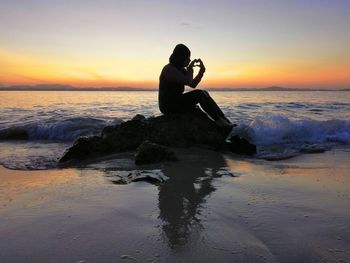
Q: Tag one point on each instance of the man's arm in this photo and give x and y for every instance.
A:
(199, 76)
(196, 80)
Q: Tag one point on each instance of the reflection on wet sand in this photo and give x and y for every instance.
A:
(182, 198)
(13, 183)
(294, 210)
(183, 186)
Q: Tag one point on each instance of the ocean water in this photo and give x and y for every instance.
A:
(283, 124)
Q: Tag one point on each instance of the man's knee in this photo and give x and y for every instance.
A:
(203, 94)
(206, 93)
(199, 95)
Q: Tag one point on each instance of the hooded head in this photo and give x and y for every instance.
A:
(180, 56)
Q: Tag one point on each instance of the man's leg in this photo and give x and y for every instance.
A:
(190, 99)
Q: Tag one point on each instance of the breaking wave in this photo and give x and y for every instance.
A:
(276, 129)
(279, 137)
(63, 130)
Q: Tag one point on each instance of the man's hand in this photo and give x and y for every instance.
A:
(197, 63)
(201, 66)
(192, 64)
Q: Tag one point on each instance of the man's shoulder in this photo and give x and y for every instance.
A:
(168, 69)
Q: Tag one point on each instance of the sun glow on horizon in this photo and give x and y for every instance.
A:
(102, 45)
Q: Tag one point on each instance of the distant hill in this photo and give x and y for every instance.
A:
(276, 88)
(60, 87)
(273, 88)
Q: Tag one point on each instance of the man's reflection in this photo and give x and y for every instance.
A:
(181, 198)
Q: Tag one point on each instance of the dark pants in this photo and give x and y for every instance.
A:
(187, 102)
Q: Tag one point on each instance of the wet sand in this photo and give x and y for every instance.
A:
(296, 210)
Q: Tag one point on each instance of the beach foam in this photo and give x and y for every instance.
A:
(279, 137)
(62, 130)
(279, 129)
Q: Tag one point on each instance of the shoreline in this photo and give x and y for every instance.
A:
(294, 210)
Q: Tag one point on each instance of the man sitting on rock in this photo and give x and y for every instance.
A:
(172, 81)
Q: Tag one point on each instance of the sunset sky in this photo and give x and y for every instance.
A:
(243, 43)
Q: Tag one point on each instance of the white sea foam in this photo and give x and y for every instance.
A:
(61, 130)
(31, 155)
(279, 129)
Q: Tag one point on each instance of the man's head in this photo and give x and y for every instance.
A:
(181, 56)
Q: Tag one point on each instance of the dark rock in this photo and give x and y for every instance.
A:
(279, 155)
(184, 130)
(83, 148)
(138, 117)
(149, 152)
(240, 145)
(126, 177)
(14, 134)
(313, 148)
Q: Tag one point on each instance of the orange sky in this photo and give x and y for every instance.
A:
(86, 43)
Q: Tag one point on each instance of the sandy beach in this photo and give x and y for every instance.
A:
(213, 208)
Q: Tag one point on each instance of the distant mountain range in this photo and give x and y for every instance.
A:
(59, 87)
(276, 88)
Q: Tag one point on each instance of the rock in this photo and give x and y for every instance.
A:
(14, 133)
(178, 130)
(240, 145)
(126, 177)
(149, 152)
(225, 172)
(138, 117)
(127, 257)
(85, 147)
(313, 148)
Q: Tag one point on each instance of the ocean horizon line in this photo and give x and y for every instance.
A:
(60, 87)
